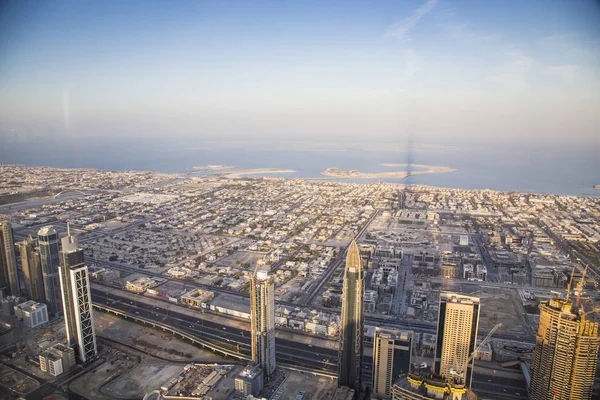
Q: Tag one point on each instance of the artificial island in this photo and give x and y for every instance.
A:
(356, 174)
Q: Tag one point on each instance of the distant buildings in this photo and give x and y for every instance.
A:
(49, 260)
(77, 301)
(391, 357)
(9, 279)
(458, 321)
(262, 317)
(352, 322)
(32, 270)
(566, 353)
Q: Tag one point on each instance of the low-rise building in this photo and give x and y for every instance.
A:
(370, 301)
(484, 353)
(8, 304)
(7, 334)
(139, 285)
(450, 271)
(57, 359)
(250, 380)
(481, 272)
(33, 314)
(543, 278)
(196, 297)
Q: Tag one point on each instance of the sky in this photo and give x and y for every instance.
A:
(437, 70)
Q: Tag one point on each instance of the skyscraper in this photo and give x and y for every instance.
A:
(32, 270)
(77, 299)
(49, 260)
(262, 314)
(565, 355)
(391, 357)
(352, 321)
(458, 321)
(9, 278)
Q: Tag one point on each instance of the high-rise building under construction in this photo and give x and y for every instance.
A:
(262, 316)
(352, 321)
(566, 353)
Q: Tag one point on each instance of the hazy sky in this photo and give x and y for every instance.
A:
(439, 70)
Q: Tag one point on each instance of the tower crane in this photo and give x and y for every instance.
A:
(462, 372)
(580, 284)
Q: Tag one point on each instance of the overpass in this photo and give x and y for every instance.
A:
(207, 344)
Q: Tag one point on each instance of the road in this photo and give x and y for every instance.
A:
(289, 351)
(333, 266)
(568, 249)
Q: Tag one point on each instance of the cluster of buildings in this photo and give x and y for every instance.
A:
(211, 231)
(58, 283)
(564, 359)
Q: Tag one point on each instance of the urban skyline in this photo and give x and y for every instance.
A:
(341, 200)
(379, 276)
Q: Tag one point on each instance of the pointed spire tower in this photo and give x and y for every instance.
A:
(352, 321)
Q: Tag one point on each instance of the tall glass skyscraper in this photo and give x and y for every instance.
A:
(32, 270)
(9, 278)
(352, 323)
(49, 260)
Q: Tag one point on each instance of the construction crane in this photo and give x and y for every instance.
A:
(580, 285)
(483, 342)
(570, 284)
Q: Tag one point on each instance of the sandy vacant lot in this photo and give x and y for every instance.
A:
(124, 331)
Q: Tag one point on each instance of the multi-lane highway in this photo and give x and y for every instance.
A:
(298, 351)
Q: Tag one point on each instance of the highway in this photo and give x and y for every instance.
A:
(239, 340)
(288, 351)
(567, 248)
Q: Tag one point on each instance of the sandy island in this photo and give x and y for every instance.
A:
(597, 187)
(355, 174)
(256, 171)
(213, 167)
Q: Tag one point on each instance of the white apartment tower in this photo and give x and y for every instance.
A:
(77, 299)
(262, 313)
